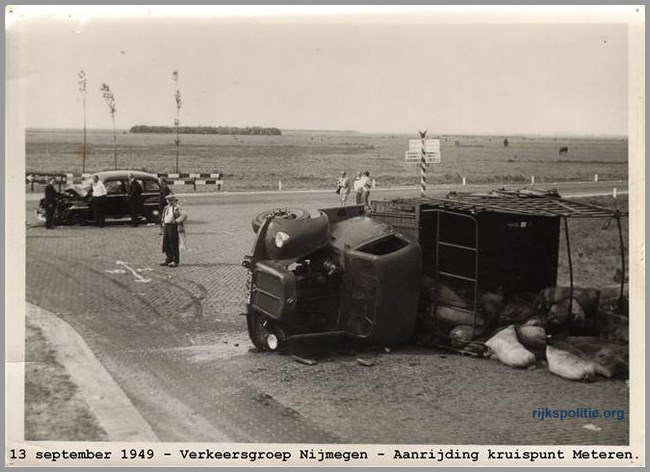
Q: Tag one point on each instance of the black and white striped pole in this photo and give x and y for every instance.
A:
(423, 164)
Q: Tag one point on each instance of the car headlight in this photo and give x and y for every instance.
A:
(281, 239)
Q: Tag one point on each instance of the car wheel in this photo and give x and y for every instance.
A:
(289, 213)
(149, 216)
(264, 335)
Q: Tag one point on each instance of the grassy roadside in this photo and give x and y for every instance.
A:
(54, 408)
(595, 248)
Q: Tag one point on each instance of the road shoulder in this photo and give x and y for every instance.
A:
(112, 409)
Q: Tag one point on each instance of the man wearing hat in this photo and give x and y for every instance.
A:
(172, 218)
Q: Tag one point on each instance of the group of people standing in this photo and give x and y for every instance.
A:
(361, 185)
(172, 216)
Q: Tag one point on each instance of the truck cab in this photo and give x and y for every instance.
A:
(338, 273)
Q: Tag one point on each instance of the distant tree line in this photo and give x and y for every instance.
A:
(248, 130)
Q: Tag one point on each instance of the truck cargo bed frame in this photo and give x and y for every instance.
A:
(410, 216)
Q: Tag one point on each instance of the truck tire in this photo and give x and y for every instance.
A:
(292, 213)
(256, 331)
(259, 331)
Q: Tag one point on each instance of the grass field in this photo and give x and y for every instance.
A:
(595, 248)
(305, 160)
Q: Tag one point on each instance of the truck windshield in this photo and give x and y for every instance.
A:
(384, 246)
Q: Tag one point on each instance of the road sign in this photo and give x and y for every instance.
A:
(412, 157)
(430, 145)
(432, 148)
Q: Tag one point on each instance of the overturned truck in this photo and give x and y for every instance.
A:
(437, 270)
(341, 273)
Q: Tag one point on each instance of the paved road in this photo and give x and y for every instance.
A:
(175, 342)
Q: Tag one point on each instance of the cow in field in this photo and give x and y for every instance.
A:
(564, 150)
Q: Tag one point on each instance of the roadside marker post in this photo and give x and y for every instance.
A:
(423, 165)
(595, 177)
(532, 180)
(464, 181)
(422, 152)
(614, 192)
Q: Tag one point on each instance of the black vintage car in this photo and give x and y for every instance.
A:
(74, 203)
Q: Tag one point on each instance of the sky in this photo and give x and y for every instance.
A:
(450, 72)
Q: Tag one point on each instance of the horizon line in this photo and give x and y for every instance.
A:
(349, 131)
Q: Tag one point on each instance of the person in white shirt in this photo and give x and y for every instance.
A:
(357, 186)
(173, 219)
(343, 185)
(367, 185)
(99, 201)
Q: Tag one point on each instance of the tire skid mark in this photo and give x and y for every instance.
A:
(74, 278)
(197, 301)
(152, 308)
(127, 288)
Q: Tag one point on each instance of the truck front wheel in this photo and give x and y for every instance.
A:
(264, 336)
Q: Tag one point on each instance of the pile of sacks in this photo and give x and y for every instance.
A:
(576, 335)
(572, 357)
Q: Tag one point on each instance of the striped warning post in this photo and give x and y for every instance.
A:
(423, 165)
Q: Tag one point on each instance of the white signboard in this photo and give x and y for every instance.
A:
(432, 151)
(430, 145)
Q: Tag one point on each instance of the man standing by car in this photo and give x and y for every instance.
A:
(135, 191)
(99, 201)
(50, 204)
(172, 217)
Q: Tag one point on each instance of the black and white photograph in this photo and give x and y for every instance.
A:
(324, 236)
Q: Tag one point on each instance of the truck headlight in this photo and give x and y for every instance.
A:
(281, 239)
(272, 342)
